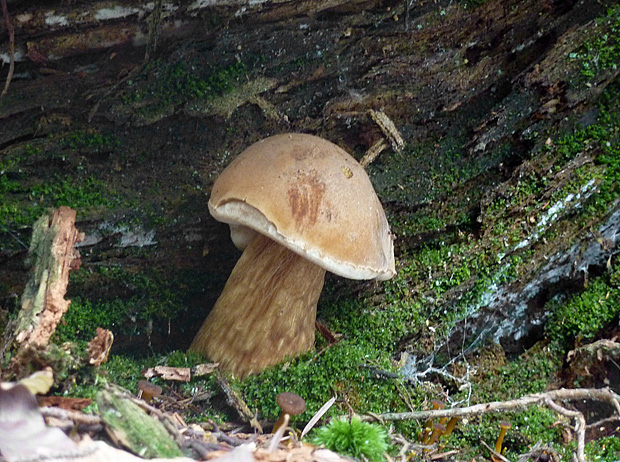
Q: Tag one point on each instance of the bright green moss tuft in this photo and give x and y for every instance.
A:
(354, 438)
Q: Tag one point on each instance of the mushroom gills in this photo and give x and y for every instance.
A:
(266, 311)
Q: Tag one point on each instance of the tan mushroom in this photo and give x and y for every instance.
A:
(147, 390)
(297, 205)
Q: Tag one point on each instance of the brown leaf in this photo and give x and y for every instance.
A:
(64, 402)
(99, 347)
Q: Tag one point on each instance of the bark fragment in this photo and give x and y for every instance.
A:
(53, 255)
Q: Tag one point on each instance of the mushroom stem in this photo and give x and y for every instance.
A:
(504, 425)
(284, 419)
(266, 311)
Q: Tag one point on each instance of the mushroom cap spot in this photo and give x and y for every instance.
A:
(310, 196)
(291, 403)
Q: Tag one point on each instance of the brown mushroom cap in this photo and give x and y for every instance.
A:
(291, 403)
(149, 389)
(310, 196)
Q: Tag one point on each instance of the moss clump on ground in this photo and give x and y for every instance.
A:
(582, 316)
(346, 369)
(130, 303)
(354, 438)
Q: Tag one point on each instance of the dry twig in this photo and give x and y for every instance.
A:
(549, 399)
(11, 31)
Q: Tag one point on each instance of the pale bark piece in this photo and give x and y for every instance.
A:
(181, 374)
(99, 347)
(53, 255)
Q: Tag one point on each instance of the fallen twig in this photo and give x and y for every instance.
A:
(580, 426)
(548, 399)
(11, 31)
(563, 394)
(74, 416)
(494, 452)
(235, 400)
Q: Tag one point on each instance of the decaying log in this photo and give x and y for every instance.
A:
(53, 255)
(48, 34)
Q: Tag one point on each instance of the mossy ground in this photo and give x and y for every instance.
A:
(465, 225)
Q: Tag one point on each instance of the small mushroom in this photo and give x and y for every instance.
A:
(148, 390)
(504, 425)
(297, 205)
(291, 404)
(451, 425)
(438, 430)
(428, 427)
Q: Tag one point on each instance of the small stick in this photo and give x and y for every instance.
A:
(11, 31)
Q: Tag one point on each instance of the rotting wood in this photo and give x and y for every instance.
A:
(53, 254)
(132, 428)
(61, 33)
(235, 400)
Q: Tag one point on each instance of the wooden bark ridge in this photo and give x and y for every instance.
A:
(53, 255)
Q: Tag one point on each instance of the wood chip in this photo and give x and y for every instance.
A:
(373, 152)
(99, 347)
(65, 402)
(204, 369)
(389, 129)
(180, 374)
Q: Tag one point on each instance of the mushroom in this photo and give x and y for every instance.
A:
(504, 425)
(438, 430)
(297, 205)
(428, 427)
(148, 390)
(291, 404)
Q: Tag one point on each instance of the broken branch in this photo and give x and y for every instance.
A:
(11, 32)
(548, 399)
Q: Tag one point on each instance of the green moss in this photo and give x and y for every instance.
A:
(605, 449)
(89, 140)
(27, 190)
(527, 428)
(602, 50)
(583, 315)
(143, 435)
(131, 302)
(344, 369)
(354, 438)
(163, 86)
(530, 373)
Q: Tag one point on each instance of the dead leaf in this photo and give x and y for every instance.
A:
(64, 402)
(99, 347)
(40, 382)
(23, 434)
